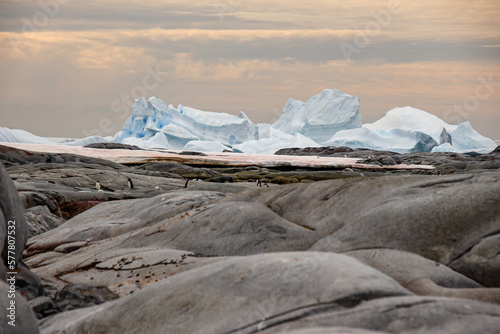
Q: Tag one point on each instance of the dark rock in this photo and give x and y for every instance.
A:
(281, 180)
(113, 146)
(445, 137)
(221, 179)
(75, 296)
(43, 305)
(17, 156)
(312, 151)
(192, 153)
(180, 169)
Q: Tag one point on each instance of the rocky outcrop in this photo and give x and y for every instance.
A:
(369, 252)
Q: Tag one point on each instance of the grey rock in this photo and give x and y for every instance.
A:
(70, 247)
(406, 314)
(407, 267)
(115, 218)
(425, 277)
(332, 330)
(445, 137)
(234, 295)
(75, 296)
(13, 226)
(481, 261)
(438, 217)
(180, 169)
(225, 229)
(42, 305)
(25, 320)
(41, 220)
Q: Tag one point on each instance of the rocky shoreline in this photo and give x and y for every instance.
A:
(198, 248)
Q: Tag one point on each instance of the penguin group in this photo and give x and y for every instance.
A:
(100, 187)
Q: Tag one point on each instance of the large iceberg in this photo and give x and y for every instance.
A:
(394, 140)
(461, 137)
(331, 118)
(181, 125)
(407, 129)
(321, 116)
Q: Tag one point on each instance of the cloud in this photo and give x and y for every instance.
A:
(231, 55)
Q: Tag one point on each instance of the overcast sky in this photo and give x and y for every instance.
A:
(68, 68)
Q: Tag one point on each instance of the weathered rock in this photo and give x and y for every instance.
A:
(44, 306)
(225, 229)
(311, 151)
(180, 169)
(407, 267)
(115, 218)
(12, 156)
(332, 330)
(481, 260)
(221, 179)
(425, 277)
(41, 220)
(407, 314)
(235, 295)
(75, 296)
(438, 217)
(447, 162)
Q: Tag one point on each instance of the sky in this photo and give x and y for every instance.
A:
(72, 68)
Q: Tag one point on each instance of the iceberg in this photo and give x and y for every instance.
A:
(182, 125)
(206, 146)
(465, 138)
(20, 136)
(272, 144)
(395, 140)
(330, 118)
(321, 116)
(461, 138)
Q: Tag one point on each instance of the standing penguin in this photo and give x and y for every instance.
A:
(98, 186)
(130, 184)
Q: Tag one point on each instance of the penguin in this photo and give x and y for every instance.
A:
(130, 184)
(260, 183)
(98, 186)
(186, 184)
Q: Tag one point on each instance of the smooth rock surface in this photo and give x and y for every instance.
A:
(234, 295)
